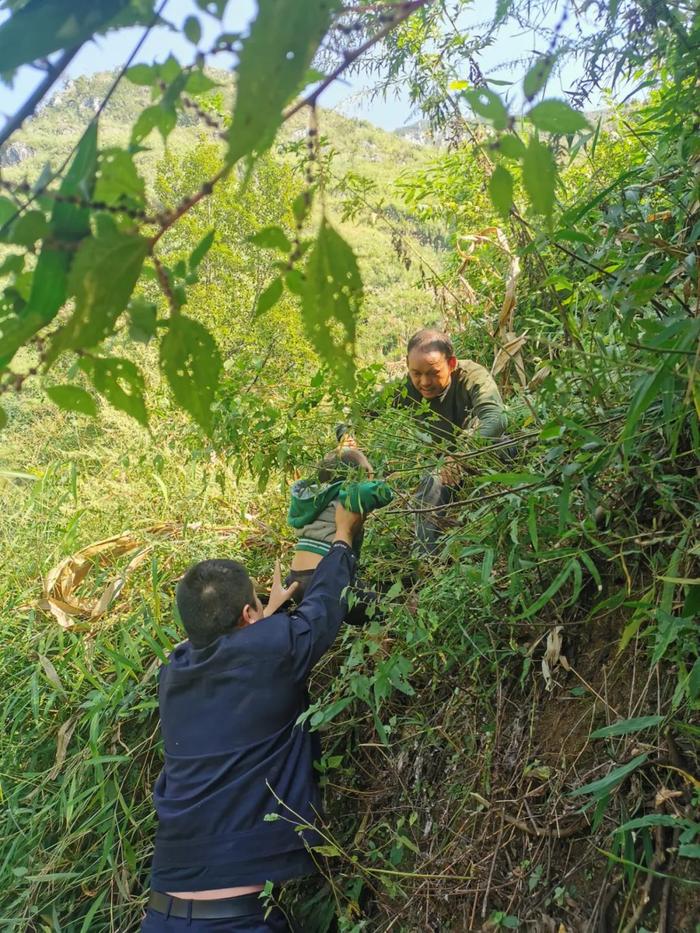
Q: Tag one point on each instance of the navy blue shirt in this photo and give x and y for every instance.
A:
(228, 719)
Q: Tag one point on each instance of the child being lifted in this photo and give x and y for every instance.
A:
(345, 475)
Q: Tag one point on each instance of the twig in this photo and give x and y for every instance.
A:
(53, 73)
(406, 10)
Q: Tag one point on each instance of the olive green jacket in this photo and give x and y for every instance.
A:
(472, 400)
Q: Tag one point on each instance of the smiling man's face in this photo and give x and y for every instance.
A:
(430, 371)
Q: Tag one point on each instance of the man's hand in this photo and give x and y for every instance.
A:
(278, 594)
(347, 524)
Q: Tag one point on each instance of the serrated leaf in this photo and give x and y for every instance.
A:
(27, 229)
(142, 319)
(192, 29)
(501, 190)
(332, 295)
(510, 146)
(38, 29)
(271, 238)
(69, 222)
(102, 278)
(72, 398)
(191, 361)
(156, 116)
(118, 181)
(626, 726)
(272, 64)
(488, 104)
(539, 177)
(605, 784)
(554, 116)
(269, 297)
(201, 250)
(120, 382)
(198, 83)
(142, 74)
(537, 76)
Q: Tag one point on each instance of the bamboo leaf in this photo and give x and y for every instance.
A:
(626, 726)
(610, 781)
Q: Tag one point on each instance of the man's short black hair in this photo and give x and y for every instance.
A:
(430, 339)
(211, 597)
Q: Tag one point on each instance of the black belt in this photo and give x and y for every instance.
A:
(223, 909)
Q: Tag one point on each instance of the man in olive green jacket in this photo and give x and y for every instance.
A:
(461, 395)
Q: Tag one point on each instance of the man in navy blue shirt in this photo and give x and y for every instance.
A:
(229, 701)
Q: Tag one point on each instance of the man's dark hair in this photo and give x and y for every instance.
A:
(428, 340)
(335, 466)
(211, 597)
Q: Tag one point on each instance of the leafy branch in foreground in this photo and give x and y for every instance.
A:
(97, 231)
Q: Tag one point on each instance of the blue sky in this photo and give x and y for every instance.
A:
(350, 97)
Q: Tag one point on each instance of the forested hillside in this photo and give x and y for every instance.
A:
(513, 743)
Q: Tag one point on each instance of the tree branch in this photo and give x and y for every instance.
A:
(53, 73)
(402, 12)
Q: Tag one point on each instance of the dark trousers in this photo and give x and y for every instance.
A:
(257, 922)
(431, 492)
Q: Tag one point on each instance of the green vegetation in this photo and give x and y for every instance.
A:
(515, 746)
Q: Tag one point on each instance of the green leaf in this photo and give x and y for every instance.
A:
(192, 29)
(7, 212)
(328, 851)
(191, 361)
(605, 784)
(142, 319)
(69, 222)
(551, 590)
(537, 76)
(554, 116)
(489, 105)
(3, 418)
(118, 181)
(501, 190)
(120, 382)
(142, 74)
(539, 177)
(626, 726)
(198, 83)
(102, 279)
(273, 62)
(201, 250)
(40, 28)
(651, 819)
(12, 264)
(510, 146)
(156, 116)
(269, 298)
(72, 398)
(689, 850)
(27, 229)
(271, 238)
(331, 300)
